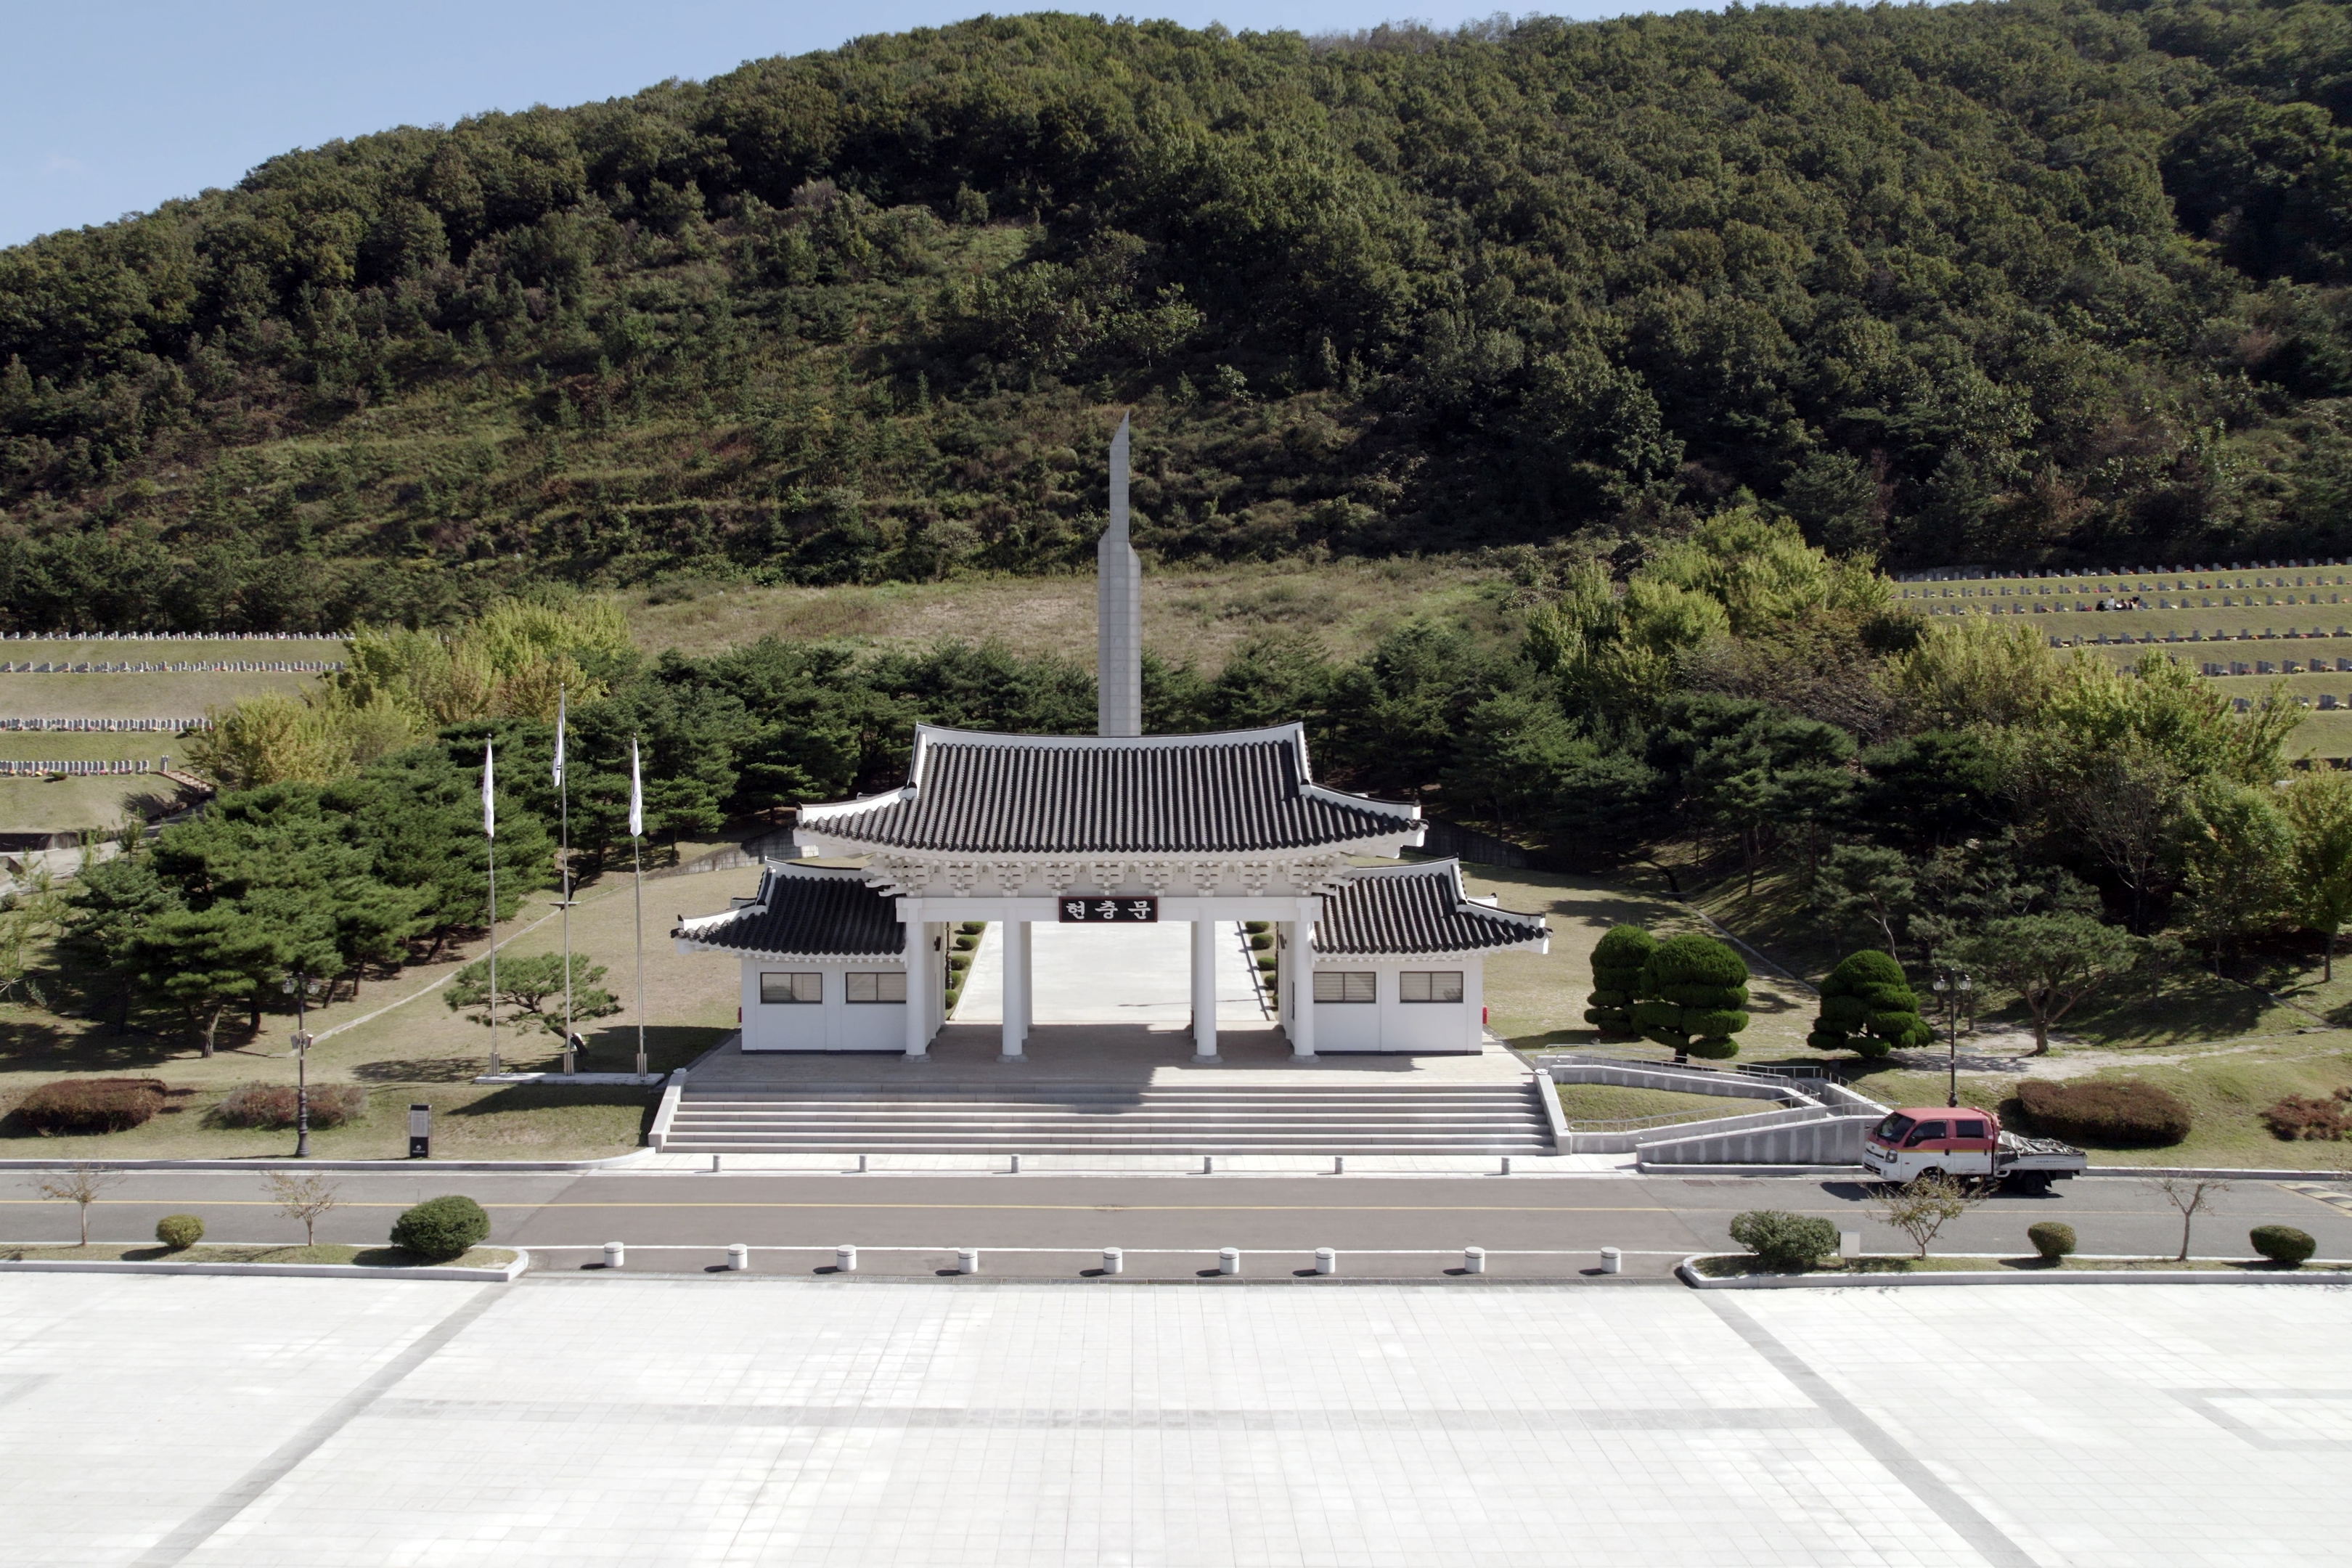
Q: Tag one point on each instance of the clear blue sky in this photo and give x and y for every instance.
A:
(112, 106)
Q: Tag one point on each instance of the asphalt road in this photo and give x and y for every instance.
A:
(1171, 1226)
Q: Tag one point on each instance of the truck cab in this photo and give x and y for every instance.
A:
(1928, 1139)
(1921, 1140)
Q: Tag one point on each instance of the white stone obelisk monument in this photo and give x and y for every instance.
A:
(1118, 612)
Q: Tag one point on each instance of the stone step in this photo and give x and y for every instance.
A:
(1502, 1118)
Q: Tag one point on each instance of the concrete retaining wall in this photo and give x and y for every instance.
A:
(1635, 1138)
(1823, 1140)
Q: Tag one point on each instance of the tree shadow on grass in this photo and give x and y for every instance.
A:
(39, 1046)
(421, 1069)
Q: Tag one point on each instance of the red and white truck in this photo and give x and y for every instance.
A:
(1927, 1140)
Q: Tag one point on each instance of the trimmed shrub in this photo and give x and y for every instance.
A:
(1868, 1007)
(91, 1105)
(274, 1105)
(2301, 1116)
(179, 1231)
(1261, 943)
(2110, 1111)
(1784, 1240)
(2283, 1244)
(1693, 997)
(1617, 962)
(441, 1228)
(2051, 1240)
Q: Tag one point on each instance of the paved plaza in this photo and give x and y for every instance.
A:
(707, 1421)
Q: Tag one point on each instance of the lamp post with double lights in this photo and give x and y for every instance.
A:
(1952, 988)
(298, 985)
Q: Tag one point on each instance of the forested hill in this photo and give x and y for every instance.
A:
(2041, 282)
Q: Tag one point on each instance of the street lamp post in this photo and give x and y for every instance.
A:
(298, 985)
(1952, 989)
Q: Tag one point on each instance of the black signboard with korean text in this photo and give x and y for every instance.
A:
(1108, 911)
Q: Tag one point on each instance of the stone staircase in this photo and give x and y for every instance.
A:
(1463, 1118)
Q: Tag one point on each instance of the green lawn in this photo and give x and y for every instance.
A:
(1584, 1103)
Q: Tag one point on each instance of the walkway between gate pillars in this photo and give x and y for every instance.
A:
(1212, 925)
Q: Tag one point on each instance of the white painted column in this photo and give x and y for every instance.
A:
(1028, 979)
(1474, 1002)
(919, 972)
(1205, 991)
(1015, 1029)
(1302, 1029)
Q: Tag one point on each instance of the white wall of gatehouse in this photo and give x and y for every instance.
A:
(1388, 1022)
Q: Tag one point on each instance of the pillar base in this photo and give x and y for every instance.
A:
(1013, 1059)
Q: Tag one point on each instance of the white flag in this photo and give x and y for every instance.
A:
(489, 812)
(636, 795)
(559, 739)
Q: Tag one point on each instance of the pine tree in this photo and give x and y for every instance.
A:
(1617, 961)
(1693, 997)
(1868, 1008)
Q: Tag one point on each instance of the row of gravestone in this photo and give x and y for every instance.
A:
(175, 636)
(2127, 639)
(184, 667)
(1984, 607)
(108, 726)
(2266, 667)
(78, 767)
(1985, 574)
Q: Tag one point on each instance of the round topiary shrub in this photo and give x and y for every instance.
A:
(1617, 961)
(1868, 1007)
(2113, 1112)
(179, 1231)
(2283, 1244)
(441, 1228)
(1693, 997)
(1784, 1240)
(2051, 1240)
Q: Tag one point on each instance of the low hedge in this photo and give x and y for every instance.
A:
(91, 1105)
(1784, 1240)
(2283, 1244)
(274, 1105)
(439, 1229)
(179, 1231)
(2303, 1116)
(2109, 1111)
(2051, 1239)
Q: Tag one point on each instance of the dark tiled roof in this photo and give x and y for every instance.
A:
(817, 914)
(1421, 910)
(1004, 795)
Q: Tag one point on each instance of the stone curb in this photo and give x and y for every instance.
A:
(631, 1157)
(2220, 1173)
(289, 1270)
(1687, 1271)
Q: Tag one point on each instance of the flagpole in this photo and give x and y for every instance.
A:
(564, 798)
(490, 846)
(637, 856)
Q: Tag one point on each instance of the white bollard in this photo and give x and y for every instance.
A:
(1338, 1165)
(1507, 1165)
(739, 1258)
(1327, 1261)
(844, 1260)
(1208, 1164)
(1474, 1260)
(1015, 1168)
(714, 1164)
(615, 1255)
(1612, 1260)
(967, 1260)
(1114, 1260)
(1849, 1244)
(861, 1165)
(1229, 1261)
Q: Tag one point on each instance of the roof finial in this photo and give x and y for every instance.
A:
(1119, 611)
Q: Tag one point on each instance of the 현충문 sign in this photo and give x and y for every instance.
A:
(1108, 911)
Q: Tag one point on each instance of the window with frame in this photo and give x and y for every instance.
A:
(1346, 986)
(1430, 985)
(881, 985)
(795, 986)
